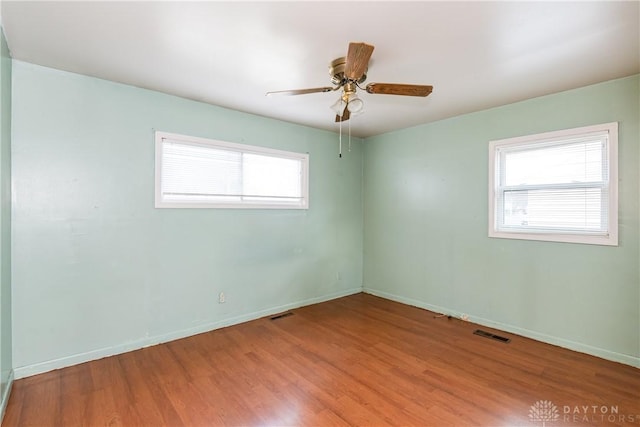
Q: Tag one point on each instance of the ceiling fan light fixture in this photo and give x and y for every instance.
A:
(338, 106)
(354, 104)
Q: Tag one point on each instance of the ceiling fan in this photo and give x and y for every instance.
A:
(347, 73)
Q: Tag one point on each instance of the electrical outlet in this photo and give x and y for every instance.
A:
(221, 298)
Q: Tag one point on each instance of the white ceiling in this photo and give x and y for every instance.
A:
(476, 54)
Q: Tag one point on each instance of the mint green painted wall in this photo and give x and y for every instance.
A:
(5, 217)
(98, 270)
(425, 227)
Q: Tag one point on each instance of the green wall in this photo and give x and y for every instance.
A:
(425, 228)
(97, 270)
(5, 222)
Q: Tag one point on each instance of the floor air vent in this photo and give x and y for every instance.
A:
(492, 336)
(280, 316)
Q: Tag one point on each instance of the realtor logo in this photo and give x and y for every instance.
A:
(544, 411)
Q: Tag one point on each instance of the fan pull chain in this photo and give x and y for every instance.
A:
(340, 152)
(349, 135)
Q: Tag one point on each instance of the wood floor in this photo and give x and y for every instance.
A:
(358, 360)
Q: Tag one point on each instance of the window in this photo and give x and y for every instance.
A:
(202, 173)
(557, 186)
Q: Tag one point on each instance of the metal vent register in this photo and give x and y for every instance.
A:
(490, 335)
(280, 316)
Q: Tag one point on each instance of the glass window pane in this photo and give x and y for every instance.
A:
(271, 176)
(568, 163)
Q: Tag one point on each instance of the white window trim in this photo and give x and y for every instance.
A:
(159, 203)
(610, 239)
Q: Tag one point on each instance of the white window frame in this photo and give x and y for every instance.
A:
(610, 238)
(242, 148)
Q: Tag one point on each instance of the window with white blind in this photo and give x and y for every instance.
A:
(557, 186)
(202, 173)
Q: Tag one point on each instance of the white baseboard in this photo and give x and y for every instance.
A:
(50, 365)
(560, 342)
(6, 394)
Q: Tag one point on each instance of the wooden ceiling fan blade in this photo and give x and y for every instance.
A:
(345, 116)
(399, 89)
(357, 60)
(302, 91)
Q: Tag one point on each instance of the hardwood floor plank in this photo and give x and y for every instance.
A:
(42, 400)
(358, 360)
(326, 418)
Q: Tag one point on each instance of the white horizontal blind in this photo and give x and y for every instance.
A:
(206, 173)
(561, 185)
(200, 173)
(556, 184)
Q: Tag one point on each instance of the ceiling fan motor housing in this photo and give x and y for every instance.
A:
(336, 71)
